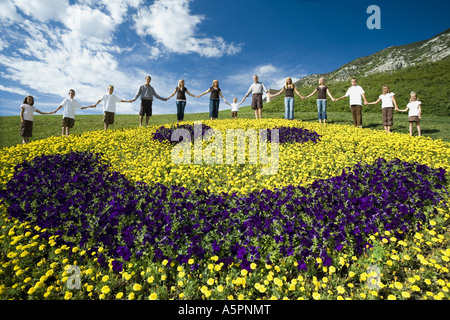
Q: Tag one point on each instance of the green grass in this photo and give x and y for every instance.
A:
(436, 127)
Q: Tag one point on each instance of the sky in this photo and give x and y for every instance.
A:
(50, 46)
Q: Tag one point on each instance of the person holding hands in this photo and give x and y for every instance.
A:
(415, 113)
(181, 91)
(288, 98)
(257, 89)
(322, 92)
(234, 108)
(355, 92)
(146, 92)
(109, 106)
(69, 104)
(387, 107)
(214, 99)
(26, 118)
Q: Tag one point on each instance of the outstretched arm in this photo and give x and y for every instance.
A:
(296, 91)
(207, 91)
(276, 94)
(309, 95)
(173, 93)
(329, 94)
(395, 103)
(375, 102)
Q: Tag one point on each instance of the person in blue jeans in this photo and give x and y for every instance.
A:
(322, 92)
(288, 98)
(181, 91)
(214, 99)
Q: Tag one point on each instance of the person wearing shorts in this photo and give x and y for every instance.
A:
(234, 108)
(109, 106)
(69, 104)
(146, 92)
(26, 118)
(414, 115)
(257, 89)
(387, 107)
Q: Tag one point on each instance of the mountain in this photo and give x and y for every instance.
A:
(387, 60)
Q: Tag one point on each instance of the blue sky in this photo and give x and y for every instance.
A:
(50, 46)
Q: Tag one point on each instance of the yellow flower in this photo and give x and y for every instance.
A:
(68, 295)
(119, 295)
(137, 287)
(391, 297)
(316, 296)
(210, 281)
(153, 296)
(340, 289)
(105, 290)
(398, 285)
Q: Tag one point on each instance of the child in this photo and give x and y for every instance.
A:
(234, 108)
(387, 107)
(355, 93)
(109, 106)
(26, 118)
(69, 105)
(415, 111)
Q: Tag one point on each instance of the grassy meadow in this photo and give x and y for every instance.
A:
(433, 126)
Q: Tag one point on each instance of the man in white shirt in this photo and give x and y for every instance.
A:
(109, 106)
(257, 89)
(355, 93)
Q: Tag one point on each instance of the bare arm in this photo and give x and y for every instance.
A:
(207, 91)
(309, 95)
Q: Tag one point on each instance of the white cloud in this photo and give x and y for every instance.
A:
(43, 10)
(8, 12)
(87, 23)
(13, 90)
(171, 24)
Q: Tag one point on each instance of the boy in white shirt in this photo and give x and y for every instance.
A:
(109, 106)
(355, 93)
(415, 111)
(69, 104)
(234, 108)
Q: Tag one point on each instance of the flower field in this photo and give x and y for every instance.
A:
(350, 214)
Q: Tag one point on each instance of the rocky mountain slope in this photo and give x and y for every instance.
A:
(387, 60)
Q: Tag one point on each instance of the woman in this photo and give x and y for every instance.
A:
(322, 92)
(181, 91)
(214, 99)
(288, 98)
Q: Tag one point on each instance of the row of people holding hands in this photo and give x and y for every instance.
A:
(147, 93)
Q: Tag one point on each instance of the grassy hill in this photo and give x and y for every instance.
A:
(430, 80)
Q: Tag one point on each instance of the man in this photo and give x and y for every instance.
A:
(146, 93)
(257, 89)
(355, 93)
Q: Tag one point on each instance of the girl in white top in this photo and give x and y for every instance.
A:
(387, 107)
(415, 111)
(26, 118)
